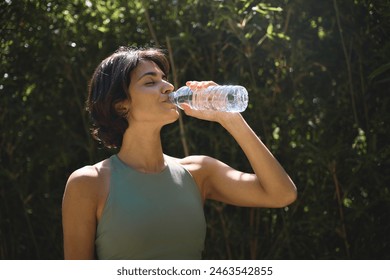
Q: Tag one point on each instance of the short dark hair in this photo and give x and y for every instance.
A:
(110, 85)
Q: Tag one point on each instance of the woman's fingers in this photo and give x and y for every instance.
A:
(194, 85)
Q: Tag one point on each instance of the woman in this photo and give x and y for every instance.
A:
(141, 203)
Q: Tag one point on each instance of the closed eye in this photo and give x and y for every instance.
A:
(150, 83)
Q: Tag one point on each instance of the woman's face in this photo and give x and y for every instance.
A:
(149, 91)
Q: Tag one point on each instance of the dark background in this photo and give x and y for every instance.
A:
(318, 75)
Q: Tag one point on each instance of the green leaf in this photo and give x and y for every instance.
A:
(379, 71)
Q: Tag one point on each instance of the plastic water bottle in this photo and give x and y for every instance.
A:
(213, 98)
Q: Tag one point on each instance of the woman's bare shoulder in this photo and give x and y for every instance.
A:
(196, 162)
(88, 178)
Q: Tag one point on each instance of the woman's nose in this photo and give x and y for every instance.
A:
(168, 87)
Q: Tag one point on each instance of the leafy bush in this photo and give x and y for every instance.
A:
(318, 78)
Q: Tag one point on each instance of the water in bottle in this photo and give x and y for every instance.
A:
(213, 98)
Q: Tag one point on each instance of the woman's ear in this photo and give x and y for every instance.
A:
(122, 107)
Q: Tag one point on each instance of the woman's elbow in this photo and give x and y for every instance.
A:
(288, 197)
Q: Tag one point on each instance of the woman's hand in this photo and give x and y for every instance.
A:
(208, 115)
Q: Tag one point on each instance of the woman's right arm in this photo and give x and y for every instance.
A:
(79, 208)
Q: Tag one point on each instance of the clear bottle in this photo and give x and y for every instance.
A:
(213, 98)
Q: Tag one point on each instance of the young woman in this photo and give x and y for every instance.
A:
(141, 203)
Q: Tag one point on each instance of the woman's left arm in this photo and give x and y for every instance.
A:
(269, 186)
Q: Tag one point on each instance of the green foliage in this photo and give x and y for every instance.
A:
(318, 78)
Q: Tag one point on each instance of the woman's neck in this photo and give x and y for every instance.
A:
(142, 150)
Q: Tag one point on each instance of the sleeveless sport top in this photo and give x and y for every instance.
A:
(151, 216)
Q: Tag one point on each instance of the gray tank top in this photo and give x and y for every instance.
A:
(151, 216)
